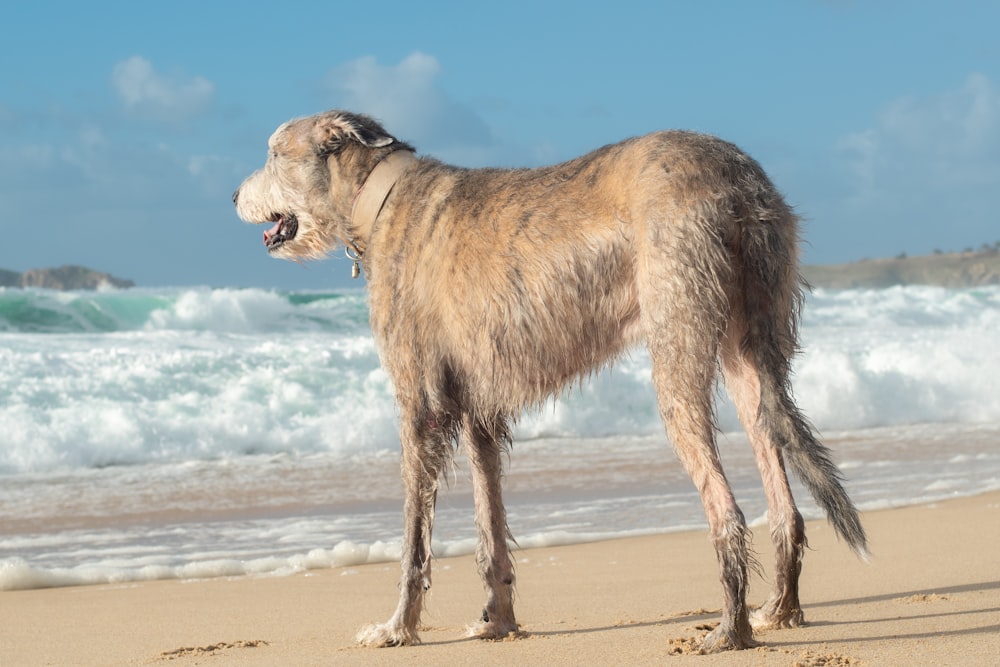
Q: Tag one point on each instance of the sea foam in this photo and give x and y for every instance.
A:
(168, 375)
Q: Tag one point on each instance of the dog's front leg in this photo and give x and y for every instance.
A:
(423, 457)
(483, 443)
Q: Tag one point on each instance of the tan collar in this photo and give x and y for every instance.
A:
(372, 195)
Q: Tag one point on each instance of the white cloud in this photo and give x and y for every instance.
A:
(947, 138)
(148, 94)
(960, 123)
(862, 149)
(92, 137)
(408, 100)
(923, 175)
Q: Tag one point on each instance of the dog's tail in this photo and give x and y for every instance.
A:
(772, 299)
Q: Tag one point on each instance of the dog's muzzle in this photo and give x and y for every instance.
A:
(284, 230)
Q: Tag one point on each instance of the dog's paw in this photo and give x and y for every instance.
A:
(386, 634)
(726, 639)
(494, 630)
(769, 617)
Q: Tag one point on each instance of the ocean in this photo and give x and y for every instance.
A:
(190, 433)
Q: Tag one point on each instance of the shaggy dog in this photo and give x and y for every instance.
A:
(493, 289)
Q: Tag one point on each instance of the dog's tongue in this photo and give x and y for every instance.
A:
(268, 233)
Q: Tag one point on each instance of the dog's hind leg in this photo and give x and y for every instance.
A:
(684, 383)
(782, 609)
(425, 453)
(484, 445)
(685, 397)
(684, 313)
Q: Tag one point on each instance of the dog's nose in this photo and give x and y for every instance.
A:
(236, 195)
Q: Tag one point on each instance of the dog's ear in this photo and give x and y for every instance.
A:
(373, 138)
(331, 133)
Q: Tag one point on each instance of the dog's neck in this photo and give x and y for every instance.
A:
(371, 197)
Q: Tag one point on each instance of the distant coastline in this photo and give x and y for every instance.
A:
(63, 278)
(971, 268)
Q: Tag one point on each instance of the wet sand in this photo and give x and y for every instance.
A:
(930, 595)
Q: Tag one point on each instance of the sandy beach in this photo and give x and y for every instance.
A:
(930, 595)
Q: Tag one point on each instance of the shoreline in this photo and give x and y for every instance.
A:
(134, 524)
(930, 590)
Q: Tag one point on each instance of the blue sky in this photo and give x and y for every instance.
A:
(125, 126)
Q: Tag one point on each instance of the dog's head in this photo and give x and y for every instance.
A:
(314, 170)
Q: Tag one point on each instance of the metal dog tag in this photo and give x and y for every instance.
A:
(354, 255)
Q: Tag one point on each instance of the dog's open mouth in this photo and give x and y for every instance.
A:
(284, 229)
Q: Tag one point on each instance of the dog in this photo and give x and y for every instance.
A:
(491, 290)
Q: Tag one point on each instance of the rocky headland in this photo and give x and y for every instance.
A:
(62, 278)
(971, 268)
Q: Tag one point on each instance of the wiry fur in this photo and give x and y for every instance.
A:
(491, 290)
